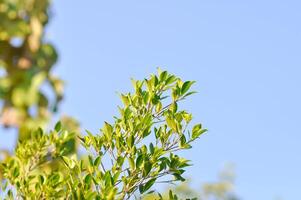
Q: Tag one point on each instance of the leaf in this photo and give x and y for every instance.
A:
(151, 148)
(189, 93)
(149, 184)
(88, 179)
(91, 195)
(158, 107)
(186, 86)
(187, 117)
(146, 97)
(173, 107)
(139, 161)
(91, 160)
(163, 76)
(170, 194)
(147, 168)
(197, 131)
(120, 160)
(108, 179)
(16, 172)
(131, 163)
(97, 161)
(41, 179)
(160, 196)
(108, 129)
(182, 140)
(58, 126)
(171, 123)
(155, 99)
(170, 79)
(141, 189)
(68, 162)
(125, 100)
(130, 141)
(178, 177)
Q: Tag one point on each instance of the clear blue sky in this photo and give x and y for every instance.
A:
(244, 55)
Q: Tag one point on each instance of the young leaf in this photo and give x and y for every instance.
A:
(197, 131)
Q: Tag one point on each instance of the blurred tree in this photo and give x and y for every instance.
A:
(26, 61)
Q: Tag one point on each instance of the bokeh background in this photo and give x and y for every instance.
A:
(244, 55)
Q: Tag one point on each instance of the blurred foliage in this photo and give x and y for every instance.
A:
(26, 60)
(127, 157)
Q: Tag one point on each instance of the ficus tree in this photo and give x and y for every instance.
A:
(127, 157)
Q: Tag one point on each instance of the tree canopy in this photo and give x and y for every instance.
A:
(127, 156)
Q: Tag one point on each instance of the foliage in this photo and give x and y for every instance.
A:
(127, 157)
(26, 61)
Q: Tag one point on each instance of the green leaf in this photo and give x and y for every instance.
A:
(58, 126)
(130, 141)
(131, 163)
(182, 140)
(149, 184)
(108, 179)
(170, 79)
(108, 129)
(147, 168)
(16, 172)
(163, 76)
(139, 161)
(91, 195)
(158, 107)
(171, 123)
(155, 99)
(174, 107)
(120, 160)
(68, 162)
(187, 117)
(197, 131)
(88, 179)
(186, 86)
(41, 179)
(141, 189)
(178, 177)
(189, 93)
(90, 158)
(125, 100)
(151, 148)
(97, 161)
(170, 195)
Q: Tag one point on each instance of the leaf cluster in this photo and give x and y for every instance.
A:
(126, 158)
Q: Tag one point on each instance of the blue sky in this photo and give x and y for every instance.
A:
(244, 55)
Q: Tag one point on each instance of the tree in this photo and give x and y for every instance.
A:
(26, 61)
(126, 157)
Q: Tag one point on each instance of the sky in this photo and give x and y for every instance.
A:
(244, 55)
